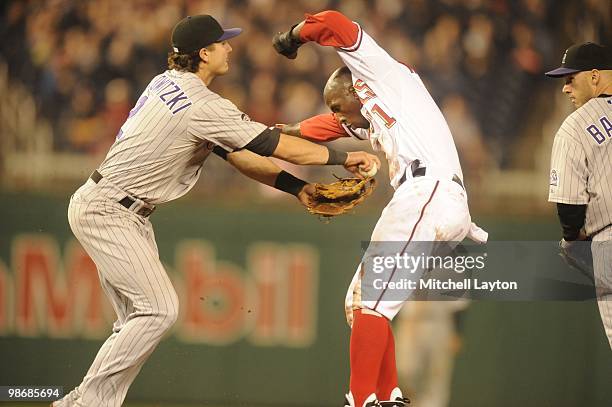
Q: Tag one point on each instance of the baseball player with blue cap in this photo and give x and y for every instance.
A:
(581, 168)
(157, 157)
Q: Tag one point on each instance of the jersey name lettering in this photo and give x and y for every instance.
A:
(365, 93)
(362, 88)
(596, 132)
(171, 94)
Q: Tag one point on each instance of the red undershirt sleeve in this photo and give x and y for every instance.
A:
(323, 127)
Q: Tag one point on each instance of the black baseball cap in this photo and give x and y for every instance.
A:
(583, 57)
(195, 32)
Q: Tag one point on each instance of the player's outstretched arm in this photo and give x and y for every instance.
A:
(327, 28)
(303, 152)
(254, 166)
(295, 150)
(359, 52)
(265, 171)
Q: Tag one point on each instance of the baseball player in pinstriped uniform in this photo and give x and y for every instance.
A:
(377, 98)
(581, 163)
(158, 157)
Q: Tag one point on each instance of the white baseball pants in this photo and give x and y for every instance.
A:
(424, 210)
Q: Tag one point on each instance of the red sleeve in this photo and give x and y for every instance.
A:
(323, 127)
(330, 28)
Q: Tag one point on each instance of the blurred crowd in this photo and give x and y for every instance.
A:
(85, 62)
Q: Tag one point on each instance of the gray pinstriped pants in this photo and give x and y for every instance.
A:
(602, 267)
(122, 245)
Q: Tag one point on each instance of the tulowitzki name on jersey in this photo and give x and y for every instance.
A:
(170, 93)
(450, 284)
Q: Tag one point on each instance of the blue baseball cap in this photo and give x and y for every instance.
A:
(583, 57)
(195, 32)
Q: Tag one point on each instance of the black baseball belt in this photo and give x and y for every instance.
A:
(422, 171)
(127, 201)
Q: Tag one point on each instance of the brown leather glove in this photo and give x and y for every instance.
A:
(339, 197)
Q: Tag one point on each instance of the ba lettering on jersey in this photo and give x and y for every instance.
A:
(581, 163)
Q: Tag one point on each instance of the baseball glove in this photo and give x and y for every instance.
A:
(340, 197)
(577, 254)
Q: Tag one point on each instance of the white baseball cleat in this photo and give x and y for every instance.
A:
(371, 401)
(397, 399)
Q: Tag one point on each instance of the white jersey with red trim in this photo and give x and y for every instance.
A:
(406, 124)
(428, 206)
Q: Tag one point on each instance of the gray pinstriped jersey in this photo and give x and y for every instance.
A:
(581, 163)
(174, 113)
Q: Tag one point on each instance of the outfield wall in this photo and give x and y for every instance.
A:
(262, 319)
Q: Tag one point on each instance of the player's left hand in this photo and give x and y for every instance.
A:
(305, 196)
(286, 43)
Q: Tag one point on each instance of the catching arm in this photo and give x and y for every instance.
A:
(263, 170)
(299, 151)
(325, 200)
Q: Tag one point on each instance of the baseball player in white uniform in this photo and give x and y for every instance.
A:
(158, 157)
(377, 98)
(581, 163)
